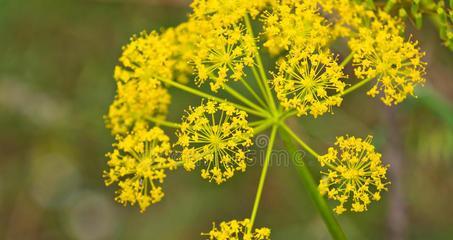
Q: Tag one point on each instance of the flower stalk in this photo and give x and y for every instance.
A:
(321, 205)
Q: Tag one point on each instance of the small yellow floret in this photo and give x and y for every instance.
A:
(225, 13)
(237, 230)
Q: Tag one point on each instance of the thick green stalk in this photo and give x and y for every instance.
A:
(306, 177)
(263, 177)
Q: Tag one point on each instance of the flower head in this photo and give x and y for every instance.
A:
(216, 134)
(294, 24)
(380, 53)
(237, 230)
(138, 164)
(183, 45)
(135, 102)
(139, 94)
(145, 57)
(223, 55)
(307, 82)
(355, 174)
(346, 16)
(224, 13)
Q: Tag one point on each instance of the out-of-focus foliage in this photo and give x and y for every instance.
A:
(440, 12)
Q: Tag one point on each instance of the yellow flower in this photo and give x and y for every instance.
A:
(346, 16)
(136, 101)
(139, 94)
(355, 174)
(224, 13)
(145, 57)
(138, 164)
(381, 53)
(218, 135)
(237, 230)
(307, 81)
(294, 24)
(223, 55)
(182, 43)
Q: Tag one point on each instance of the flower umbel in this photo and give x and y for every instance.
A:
(138, 164)
(295, 24)
(307, 82)
(237, 230)
(223, 56)
(354, 174)
(220, 45)
(139, 94)
(381, 53)
(218, 135)
(224, 13)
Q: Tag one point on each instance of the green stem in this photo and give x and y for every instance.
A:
(347, 59)
(179, 163)
(262, 127)
(263, 177)
(260, 64)
(355, 86)
(300, 141)
(260, 84)
(250, 89)
(257, 123)
(208, 96)
(165, 123)
(307, 179)
(243, 99)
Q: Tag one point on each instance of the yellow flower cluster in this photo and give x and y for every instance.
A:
(139, 94)
(307, 82)
(237, 230)
(223, 55)
(346, 16)
(217, 134)
(381, 53)
(224, 13)
(355, 174)
(294, 24)
(182, 42)
(218, 45)
(138, 164)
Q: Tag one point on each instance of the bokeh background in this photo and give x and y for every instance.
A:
(56, 64)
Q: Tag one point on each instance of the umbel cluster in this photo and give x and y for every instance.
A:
(217, 55)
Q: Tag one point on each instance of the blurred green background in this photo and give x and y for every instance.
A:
(56, 64)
